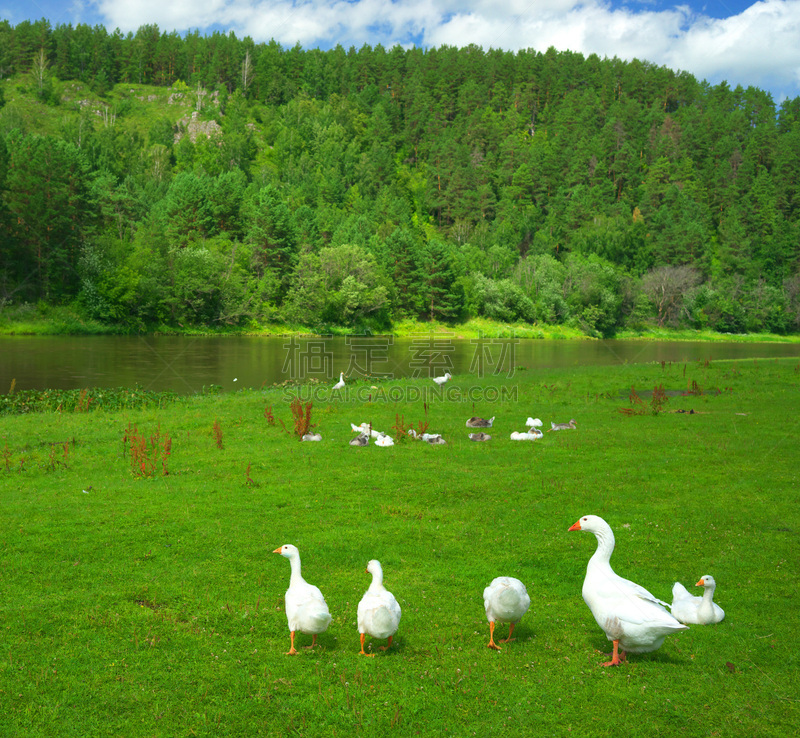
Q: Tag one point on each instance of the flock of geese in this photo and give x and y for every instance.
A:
(366, 433)
(634, 620)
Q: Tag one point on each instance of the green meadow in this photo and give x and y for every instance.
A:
(141, 597)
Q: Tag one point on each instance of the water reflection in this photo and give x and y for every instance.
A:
(186, 364)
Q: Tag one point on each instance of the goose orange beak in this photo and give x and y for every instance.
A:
(278, 550)
(701, 583)
(575, 526)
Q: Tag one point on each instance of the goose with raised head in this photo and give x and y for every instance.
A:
(340, 384)
(632, 618)
(480, 422)
(505, 600)
(441, 380)
(306, 609)
(563, 426)
(378, 612)
(693, 610)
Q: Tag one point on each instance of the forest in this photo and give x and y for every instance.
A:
(157, 179)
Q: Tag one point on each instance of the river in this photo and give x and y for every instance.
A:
(187, 364)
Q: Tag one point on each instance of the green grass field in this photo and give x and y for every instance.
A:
(153, 606)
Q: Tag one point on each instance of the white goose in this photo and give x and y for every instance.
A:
(505, 600)
(384, 440)
(306, 609)
(441, 380)
(340, 384)
(533, 423)
(366, 428)
(632, 618)
(378, 612)
(697, 610)
(531, 435)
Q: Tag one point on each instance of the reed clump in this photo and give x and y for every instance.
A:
(302, 417)
(147, 455)
(401, 430)
(640, 407)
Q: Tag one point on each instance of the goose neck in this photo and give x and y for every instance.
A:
(605, 545)
(294, 562)
(377, 580)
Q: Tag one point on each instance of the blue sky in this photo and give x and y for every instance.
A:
(733, 40)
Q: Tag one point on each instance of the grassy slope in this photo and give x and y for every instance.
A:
(154, 606)
(141, 105)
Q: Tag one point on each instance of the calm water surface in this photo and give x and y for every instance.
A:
(187, 364)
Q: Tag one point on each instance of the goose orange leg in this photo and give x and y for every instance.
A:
(313, 642)
(292, 651)
(363, 652)
(491, 643)
(510, 633)
(616, 657)
(388, 645)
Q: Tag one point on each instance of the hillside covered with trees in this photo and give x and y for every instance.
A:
(157, 179)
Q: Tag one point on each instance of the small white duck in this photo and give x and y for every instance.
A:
(306, 609)
(533, 423)
(697, 610)
(340, 384)
(378, 612)
(441, 380)
(572, 425)
(632, 618)
(476, 422)
(505, 600)
(384, 440)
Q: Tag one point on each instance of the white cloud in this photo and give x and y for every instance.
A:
(759, 46)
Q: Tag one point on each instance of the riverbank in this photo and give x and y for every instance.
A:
(45, 320)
